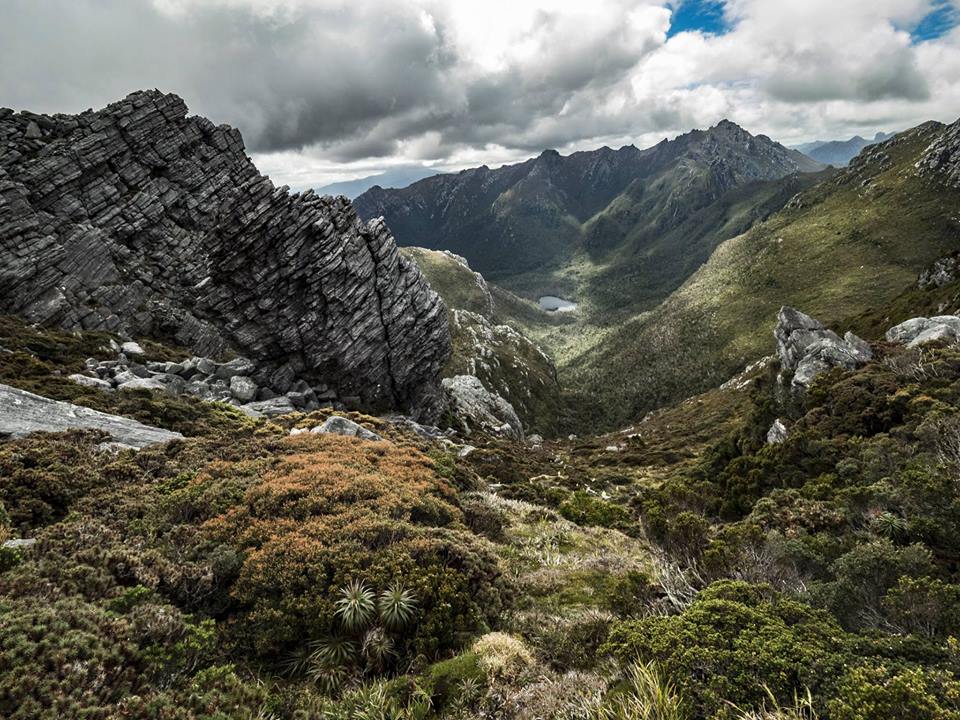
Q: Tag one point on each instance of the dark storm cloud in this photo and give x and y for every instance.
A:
(346, 81)
(352, 78)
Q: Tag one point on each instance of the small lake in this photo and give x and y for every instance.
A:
(551, 303)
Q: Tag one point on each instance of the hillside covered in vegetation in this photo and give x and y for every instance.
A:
(684, 567)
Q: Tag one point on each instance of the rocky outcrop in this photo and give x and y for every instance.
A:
(777, 433)
(476, 409)
(943, 272)
(140, 220)
(942, 158)
(807, 349)
(940, 329)
(23, 413)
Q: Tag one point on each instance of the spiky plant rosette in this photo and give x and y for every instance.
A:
(356, 606)
(397, 606)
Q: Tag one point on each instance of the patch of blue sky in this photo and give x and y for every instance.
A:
(942, 19)
(703, 15)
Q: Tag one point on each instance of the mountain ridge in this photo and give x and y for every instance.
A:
(529, 225)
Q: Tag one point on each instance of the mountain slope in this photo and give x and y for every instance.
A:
(529, 226)
(838, 250)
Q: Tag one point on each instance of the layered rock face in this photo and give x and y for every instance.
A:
(140, 220)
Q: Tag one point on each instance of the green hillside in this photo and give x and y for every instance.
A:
(847, 246)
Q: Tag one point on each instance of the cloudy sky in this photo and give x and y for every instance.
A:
(327, 90)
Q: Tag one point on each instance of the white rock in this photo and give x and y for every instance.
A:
(142, 384)
(22, 413)
(777, 433)
(88, 381)
(939, 333)
(243, 388)
(131, 348)
(344, 426)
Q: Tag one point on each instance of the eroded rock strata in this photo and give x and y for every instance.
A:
(140, 220)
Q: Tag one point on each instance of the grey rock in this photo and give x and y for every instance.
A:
(32, 132)
(941, 159)
(139, 370)
(943, 272)
(124, 376)
(906, 331)
(131, 348)
(808, 349)
(88, 381)
(269, 408)
(921, 331)
(478, 409)
(243, 388)
(940, 333)
(950, 320)
(199, 388)
(237, 366)
(777, 432)
(206, 366)
(794, 332)
(426, 431)
(345, 426)
(142, 384)
(22, 413)
(141, 220)
(172, 384)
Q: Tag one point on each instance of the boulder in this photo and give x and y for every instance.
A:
(808, 349)
(940, 334)
(243, 388)
(22, 413)
(131, 349)
(477, 409)
(345, 426)
(88, 381)
(918, 331)
(269, 408)
(142, 384)
(906, 331)
(237, 366)
(777, 432)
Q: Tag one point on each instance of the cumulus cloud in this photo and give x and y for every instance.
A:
(324, 89)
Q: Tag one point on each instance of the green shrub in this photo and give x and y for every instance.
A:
(586, 509)
(868, 693)
(735, 641)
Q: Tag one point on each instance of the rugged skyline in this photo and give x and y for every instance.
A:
(325, 90)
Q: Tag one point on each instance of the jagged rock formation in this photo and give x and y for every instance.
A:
(808, 349)
(942, 158)
(22, 413)
(140, 220)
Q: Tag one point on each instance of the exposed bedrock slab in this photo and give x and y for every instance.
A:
(22, 413)
(143, 221)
